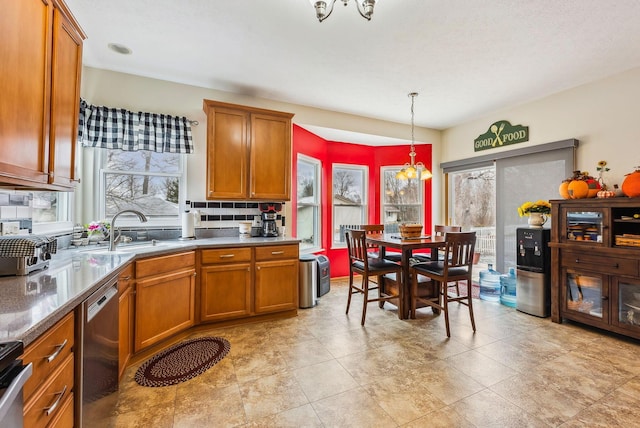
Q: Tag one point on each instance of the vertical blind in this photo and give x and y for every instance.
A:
(116, 128)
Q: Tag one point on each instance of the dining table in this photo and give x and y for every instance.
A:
(406, 246)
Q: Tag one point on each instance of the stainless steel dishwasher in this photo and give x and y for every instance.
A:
(98, 368)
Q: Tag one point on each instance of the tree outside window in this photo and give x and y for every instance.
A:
(349, 199)
(402, 200)
(145, 181)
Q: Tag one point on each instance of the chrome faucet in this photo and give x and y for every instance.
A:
(114, 241)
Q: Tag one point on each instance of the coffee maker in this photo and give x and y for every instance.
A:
(270, 212)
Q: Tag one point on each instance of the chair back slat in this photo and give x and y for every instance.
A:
(459, 249)
(441, 229)
(356, 245)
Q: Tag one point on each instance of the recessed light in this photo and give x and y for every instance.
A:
(121, 49)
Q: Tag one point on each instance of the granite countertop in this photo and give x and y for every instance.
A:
(31, 304)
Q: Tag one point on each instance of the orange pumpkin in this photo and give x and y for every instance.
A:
(594, 187)
(631, 184)
(578, 189)
(606, 194)
(564, 189)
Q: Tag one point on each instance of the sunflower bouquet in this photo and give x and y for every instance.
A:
(542, 207)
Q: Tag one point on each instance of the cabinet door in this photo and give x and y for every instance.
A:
(227, 153)
(270, 157)
(225, 291)
(65, 100)
(125, 322)
(25, 31)
(276, 286)
(585, 225)
(585, 296)
(164, 305)
(625, 308)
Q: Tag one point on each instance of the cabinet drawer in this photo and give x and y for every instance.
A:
(226, 255)
(48, 352)
(64, 418)
(50, 400)
(164, 264)
(600, 264)
(277, 252)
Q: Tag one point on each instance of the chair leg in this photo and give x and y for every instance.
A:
(350, 292)
(458, 288)
(365, 288)
(470, 304)
(414, 293)
(381, 291)
(445, 306)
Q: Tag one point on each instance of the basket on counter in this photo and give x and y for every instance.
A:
(410, 230)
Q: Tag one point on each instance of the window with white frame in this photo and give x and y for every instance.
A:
(146, 181)
(308, 209)
(349, 199)
(51, 211)
(401, 200)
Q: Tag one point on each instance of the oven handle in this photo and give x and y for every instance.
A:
(14, 390)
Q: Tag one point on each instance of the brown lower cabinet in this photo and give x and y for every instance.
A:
(242, 282)
(164, 303)
(48, 394)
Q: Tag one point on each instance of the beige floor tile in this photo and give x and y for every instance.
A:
(271, 395)
(443, 418)
(353, 409)
(262, 362)
(481, 368)
(300, 417)
(201, 407)
(323, 380)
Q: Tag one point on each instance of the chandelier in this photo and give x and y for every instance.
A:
(413, 169)
(365, 8)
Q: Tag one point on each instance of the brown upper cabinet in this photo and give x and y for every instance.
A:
(248, 152)
(41, 54)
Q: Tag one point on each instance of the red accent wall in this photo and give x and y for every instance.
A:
(329, 153)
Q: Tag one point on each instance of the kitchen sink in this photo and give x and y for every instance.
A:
(128, 249)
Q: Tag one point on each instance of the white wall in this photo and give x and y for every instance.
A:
(113, 89)
(603, 115)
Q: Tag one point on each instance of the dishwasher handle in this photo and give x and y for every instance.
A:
(14, 390)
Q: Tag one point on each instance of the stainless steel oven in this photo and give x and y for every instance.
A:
(13, 375)
(98, 327)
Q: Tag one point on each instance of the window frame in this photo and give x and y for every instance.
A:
(389, 227)
(316, 205)
(364, 204)
(64, 214)
(100, 159)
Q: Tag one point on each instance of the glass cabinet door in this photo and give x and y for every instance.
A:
(580, 225)
(586, 293)
(627, 305)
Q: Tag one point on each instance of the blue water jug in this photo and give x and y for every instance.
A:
(508, 288)
(490, 284)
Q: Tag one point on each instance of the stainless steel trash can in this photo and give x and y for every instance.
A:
(308, 281)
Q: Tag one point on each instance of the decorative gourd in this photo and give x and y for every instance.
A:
(578, 189)
(631, 183)
(606, 194)
(564, 189)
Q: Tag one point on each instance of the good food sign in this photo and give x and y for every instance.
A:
(501, 133)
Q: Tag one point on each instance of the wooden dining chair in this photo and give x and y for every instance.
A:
(362, 264)
(373, 249)
(440, 230)
(456, 265)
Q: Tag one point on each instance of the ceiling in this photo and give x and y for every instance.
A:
(465, 58)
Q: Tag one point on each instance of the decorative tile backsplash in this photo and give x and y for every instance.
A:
(227, 214)
(15, 207)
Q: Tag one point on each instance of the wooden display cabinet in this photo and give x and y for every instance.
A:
(595, 262)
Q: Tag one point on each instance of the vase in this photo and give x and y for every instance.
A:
(96, 237)
(537, 220)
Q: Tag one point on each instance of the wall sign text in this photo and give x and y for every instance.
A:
(501, 133)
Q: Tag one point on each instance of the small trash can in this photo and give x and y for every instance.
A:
(308, 281)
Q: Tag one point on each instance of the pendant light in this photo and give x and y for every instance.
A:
(413, 169)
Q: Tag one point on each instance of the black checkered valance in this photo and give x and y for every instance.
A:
(116, 128)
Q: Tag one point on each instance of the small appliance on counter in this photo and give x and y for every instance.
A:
(270, 212)
(23, 254)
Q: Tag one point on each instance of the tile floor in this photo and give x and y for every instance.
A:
(322, 369)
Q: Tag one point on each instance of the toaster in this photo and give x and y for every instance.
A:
(21, 255)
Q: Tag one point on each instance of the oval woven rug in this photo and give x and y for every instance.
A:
(182, 361)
